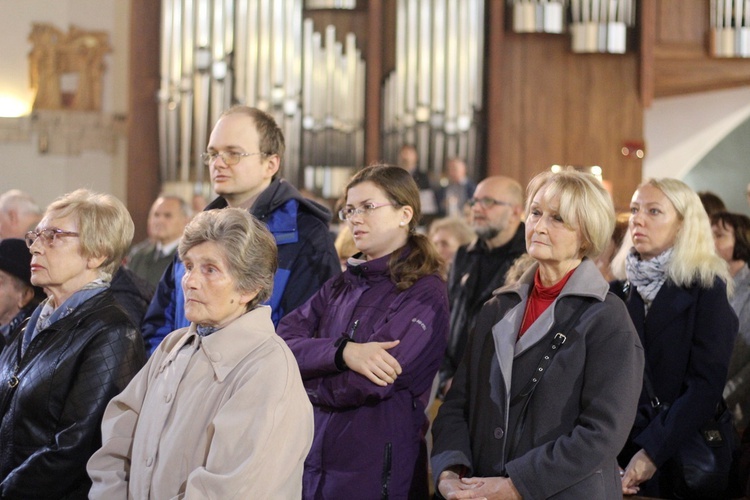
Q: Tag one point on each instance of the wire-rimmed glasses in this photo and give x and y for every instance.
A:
(48, 236)
(367, 209)
(228, 157)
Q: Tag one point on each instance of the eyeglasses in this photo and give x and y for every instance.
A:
(48, 236)
(228, 157)
(367, 209)
(488, 202)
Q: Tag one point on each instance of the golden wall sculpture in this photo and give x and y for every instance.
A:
(77, 56)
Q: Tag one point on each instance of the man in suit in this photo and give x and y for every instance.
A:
(455, 190)
(166, 220)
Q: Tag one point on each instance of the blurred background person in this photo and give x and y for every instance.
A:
(480, 267)
(546, 394)
(345, 246)
(676, 294)
(369, 343)
(732, 240)
(604, 260)
(455, 189)
(18, 297)
(408, 159)
(77, 351)
(239, 424)
(18, 213)
(166, 220)
(447, 235)
(711, 202)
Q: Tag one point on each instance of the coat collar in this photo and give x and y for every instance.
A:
(586, 281)
(226, 348)
(670, 303)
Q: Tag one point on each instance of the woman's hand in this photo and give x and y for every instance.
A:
(640, 469)
(489, 488)
(372, 360)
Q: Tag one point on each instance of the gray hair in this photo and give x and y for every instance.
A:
(185, 207)
(15, 199)
(249, 248)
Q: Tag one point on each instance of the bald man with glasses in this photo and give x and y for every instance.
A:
(480, 267)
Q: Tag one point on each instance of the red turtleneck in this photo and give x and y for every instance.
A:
(540, 299)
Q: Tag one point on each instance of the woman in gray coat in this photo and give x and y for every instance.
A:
(508, 429)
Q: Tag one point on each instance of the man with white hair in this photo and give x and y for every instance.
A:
(166, 220)
(19, 213)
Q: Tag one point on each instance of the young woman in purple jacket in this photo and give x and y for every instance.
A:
(368, 346)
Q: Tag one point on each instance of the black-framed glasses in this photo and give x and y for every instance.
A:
(367, 209)
(48, 236)
(487, 202)
(228, 157)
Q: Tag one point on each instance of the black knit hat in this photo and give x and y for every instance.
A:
(15, 259)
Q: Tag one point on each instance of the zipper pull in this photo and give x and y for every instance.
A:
(354, 328)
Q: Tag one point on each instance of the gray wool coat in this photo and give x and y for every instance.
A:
(580, 412)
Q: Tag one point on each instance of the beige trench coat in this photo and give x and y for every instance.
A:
(223, 416)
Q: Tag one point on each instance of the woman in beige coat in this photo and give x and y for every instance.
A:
(219, 411)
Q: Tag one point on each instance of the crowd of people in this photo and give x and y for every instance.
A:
(248, 352)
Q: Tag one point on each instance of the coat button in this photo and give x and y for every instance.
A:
(498, 433)
(168, 397)
(149, 461)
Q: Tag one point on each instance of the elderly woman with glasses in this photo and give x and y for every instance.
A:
(546, 392)
(369, 344)
(219, 411)
(77, 350)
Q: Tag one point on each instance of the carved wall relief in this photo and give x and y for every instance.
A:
(66, 69)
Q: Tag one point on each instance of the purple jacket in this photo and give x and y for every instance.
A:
(367, 438)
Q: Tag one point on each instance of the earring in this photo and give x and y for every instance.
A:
(402, 223)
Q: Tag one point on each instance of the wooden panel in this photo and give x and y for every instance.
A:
(143, 134)
(563, 108)
(682, 64)
(682, 21)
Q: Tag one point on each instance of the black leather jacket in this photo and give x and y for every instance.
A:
(53, 397)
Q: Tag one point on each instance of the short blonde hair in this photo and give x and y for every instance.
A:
(456, 226)
(584, 205)
(249, 248)
(694, 259)
(105, 228)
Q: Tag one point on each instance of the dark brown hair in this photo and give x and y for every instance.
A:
(741, 225)
(401, 190)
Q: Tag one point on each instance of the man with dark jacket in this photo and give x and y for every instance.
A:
(480, 267)
(244, 156)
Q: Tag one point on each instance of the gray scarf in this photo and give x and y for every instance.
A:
(647, 275)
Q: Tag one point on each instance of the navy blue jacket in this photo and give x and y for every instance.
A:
(687, 336)
(307, 259)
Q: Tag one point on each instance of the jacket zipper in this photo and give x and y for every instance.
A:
(386, 478)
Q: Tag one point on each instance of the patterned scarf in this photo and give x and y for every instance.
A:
(647, 275)
(205, 330)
